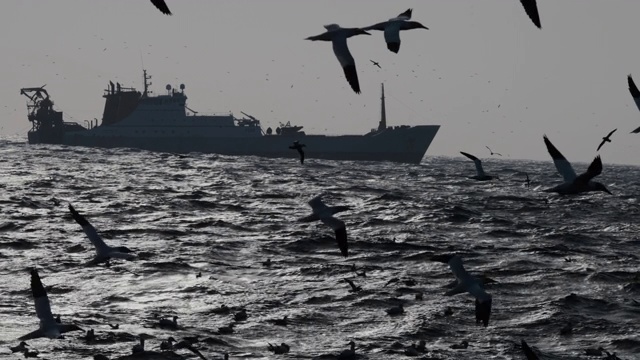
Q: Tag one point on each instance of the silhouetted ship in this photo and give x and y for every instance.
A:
(164, 123)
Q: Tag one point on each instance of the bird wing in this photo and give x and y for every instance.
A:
(528, 352)
(477, 161)
(379, 26)
(41, 300)
(90, 231)
(612, 131)
(594, 170)
(162, 6)
(562, 165)
(340, 231)
(601, 143)
(531, 8)
(636, 131)
(455, 263)
(392, 32)
(405, 15)
(347, 62)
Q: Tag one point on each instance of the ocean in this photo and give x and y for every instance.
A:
(558, 261)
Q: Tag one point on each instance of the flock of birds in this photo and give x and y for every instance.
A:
(53, 328)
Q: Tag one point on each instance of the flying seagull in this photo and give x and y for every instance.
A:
(162, 6)
(325, 214)
(375, 63)
(48, 326)
(104, 252)
(470, 284)
(392, 29)
(635, 93)
(574, 184)
(492, 153)
(481, 175)
(531, 8)
(297, 146)
(338, 37)
(606, 139)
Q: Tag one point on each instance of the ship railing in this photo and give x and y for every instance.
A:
(193, 113)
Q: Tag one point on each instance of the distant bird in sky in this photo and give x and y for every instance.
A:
(606, 139)
(325, 214)
(48, 326)
(162, 6)
(574, 184)
(531, 8)
(104, 252)
(481, 176)
(635, 93)
(297, 146)
(338, 37)
(392, 29)
(492, 153)
(375, 63)
(470, 284)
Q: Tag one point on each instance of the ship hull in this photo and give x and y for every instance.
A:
(400, 144)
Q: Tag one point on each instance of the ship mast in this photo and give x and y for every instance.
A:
(383, 114)
(146, 84)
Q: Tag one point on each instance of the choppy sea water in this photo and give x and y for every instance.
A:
(557, 260)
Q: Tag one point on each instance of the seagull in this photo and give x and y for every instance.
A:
(606, 139)
(297, 146)
(338, 36)
(325, 214)
(160, 4)
(375, 63)
(531, 8)
(481, 175)
(392, 29)
(470, 284)
(635, 93)
(48, 326)
(104, 252)
(492, 153)
(574, 184)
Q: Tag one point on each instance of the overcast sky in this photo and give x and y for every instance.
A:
(483, 71)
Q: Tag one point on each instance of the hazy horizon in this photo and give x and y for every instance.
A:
(483, 71)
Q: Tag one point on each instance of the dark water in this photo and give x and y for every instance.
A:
(557, 260)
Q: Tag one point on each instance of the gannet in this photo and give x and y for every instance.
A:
(240, 315)
(531, 8)
(297, 146)
(166, 323)
(104, 252)
(635, 93)
(492, 153)
(606, 139)
(282, 322)
(20, 347)
(325, 214)
(48, 326)
(338, 37)
(470, 284)
(392, 29)
(481, 175)
(396, 310)
(279, 349)
(348, 354)
(574, 184)
(463, 345)
(138, 348)
(162, 6)
(375, 63)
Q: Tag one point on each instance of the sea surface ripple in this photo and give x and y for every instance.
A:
(557, 260)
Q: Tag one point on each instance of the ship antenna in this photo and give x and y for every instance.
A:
(383, 113)
(146, 84)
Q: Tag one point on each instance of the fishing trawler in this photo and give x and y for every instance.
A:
(132, 119)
